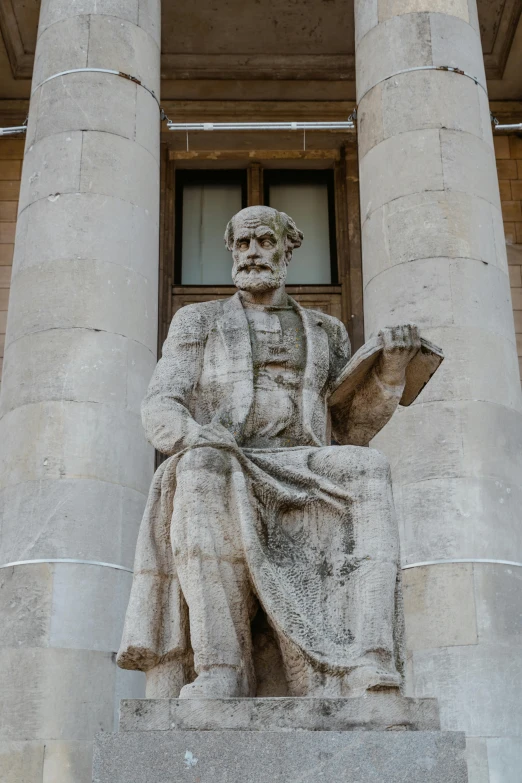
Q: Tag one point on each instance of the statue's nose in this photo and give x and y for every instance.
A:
(253, 250)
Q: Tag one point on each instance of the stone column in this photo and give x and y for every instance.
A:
(434, 253)
(80, 349)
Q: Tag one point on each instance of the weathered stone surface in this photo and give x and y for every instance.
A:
(472, 690)
(277, 757)
(111, 101)
(83, 294)
(378, 711)
(439, 606)
(117, 232)
(25, 605)
(76, 439)
(62, 47)
(43, 696)
(389, 8)
(399, 43)
(400, 166)
(51, 167)
(455, 225)
(73, 365)
(463, 516)
(90, 519)
(21, 762)
(436, 292)
(499, 614)
(504, 759)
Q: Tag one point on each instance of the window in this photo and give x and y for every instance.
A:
(205, 202)
(308, 197)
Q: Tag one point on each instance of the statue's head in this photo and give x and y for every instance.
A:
(262, 241)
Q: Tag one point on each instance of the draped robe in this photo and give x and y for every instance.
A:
(322, 551)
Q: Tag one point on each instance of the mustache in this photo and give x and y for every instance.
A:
(255, 265)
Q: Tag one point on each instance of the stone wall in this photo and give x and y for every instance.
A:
(509, 166)
(11, 154)
(508, 150)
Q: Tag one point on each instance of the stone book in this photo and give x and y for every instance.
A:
(419, 371)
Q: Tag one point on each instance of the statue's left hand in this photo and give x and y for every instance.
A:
(400, 344)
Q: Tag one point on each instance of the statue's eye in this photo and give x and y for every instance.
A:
(266, 243)
(243, 244)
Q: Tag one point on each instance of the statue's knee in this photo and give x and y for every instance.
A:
(378, 465)
(204, 458)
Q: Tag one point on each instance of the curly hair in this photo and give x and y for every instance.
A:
(292, 235)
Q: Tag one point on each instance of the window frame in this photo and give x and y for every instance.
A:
(200, 177)
(310, 177)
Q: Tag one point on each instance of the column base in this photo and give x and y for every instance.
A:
(377, 737)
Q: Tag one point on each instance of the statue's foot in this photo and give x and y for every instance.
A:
(371, 678)
(221, 682)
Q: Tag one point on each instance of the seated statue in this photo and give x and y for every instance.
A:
(255, 510)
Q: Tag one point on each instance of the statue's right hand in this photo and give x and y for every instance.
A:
(210, 433)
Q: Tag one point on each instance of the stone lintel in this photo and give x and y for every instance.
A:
(378, 711)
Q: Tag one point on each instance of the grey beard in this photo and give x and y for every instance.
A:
(266, 281)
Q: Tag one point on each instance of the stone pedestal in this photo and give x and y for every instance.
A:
(374, 738)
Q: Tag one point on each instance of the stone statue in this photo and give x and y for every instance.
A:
(255, 509)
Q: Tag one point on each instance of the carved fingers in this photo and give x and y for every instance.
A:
(400, 344)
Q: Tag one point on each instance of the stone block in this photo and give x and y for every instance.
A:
(373, 712)
(149, 18)
(477, 758)
(76, 364)
(497, 594)
(430, 99)
(453, 436)
(461, 375)
(438, 292)
(25, 605)
(43, 696)
(473, 16)
(72, 294)
(400, 166)
(370, 131)
(472, 688)
(469, 166)
(128, 685)
(67, 762)
(274, 757)
(439, 606)
(454, 225)
(458, 517)
(88, 102)
(485, 115)
(94, 226)
(114, 166)
(148, 123)
(399, 43)
(122, 46)
(53, 11)
(504, 759)
(81, 518)
(21, 762)
(455, 43)
(389, 8)
(88, 606)
(75, 440)
(366, 17)
(62, 47)
(51, 168)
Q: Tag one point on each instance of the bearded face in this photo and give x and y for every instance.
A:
(260, 262)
